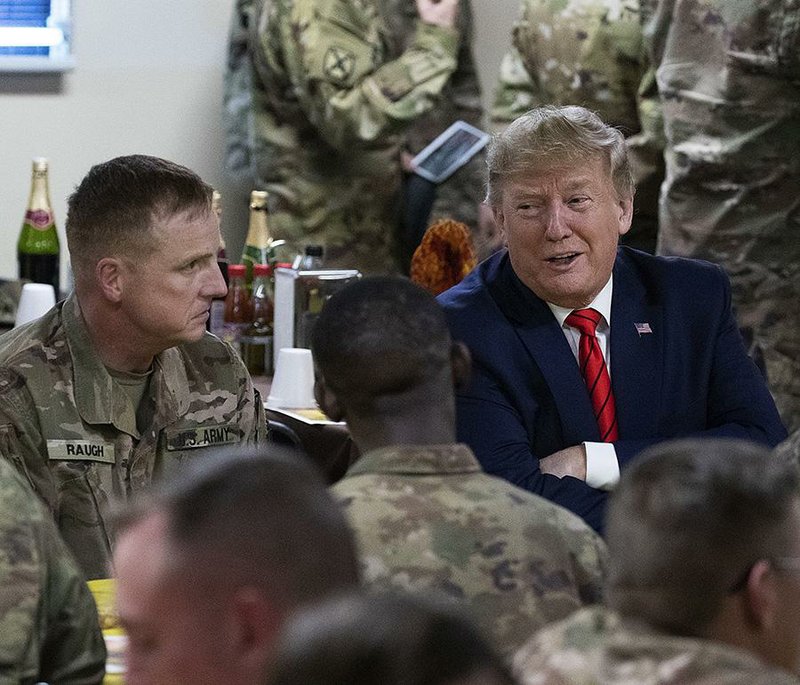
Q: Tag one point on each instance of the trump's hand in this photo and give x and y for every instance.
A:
(567, 462)
(438, 12)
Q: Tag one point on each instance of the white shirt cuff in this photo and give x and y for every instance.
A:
(602, 467)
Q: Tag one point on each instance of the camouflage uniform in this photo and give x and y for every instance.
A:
(458, 197)
(590, 53)
(729, 78)
(593, 647)
(328, 107)
(72, 430)
(789, 449)
(48, 620)
(429, 518)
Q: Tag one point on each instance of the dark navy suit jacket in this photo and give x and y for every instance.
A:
(689, 376)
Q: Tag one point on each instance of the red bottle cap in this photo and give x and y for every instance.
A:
(235, 270)
(262, 269)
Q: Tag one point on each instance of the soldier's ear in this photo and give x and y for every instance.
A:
(327, 399)
(108, 274)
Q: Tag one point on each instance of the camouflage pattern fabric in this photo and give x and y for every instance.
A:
(729, 78)
(72, 430)
(789, 449)
(590, 53)
(594, 647)
(329, 105)
(48, 621)
(237, 93)
(458, 197)
(427, 518)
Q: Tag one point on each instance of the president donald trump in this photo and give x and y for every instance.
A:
(584, 352)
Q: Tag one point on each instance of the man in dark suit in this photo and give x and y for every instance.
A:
(585, 353)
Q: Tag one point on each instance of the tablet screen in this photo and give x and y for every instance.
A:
(449, 151)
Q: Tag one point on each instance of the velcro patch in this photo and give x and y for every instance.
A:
(81, 450)
(206, 436)
(338, 64)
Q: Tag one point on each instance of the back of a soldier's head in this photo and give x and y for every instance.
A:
(385, 639)
(211, 565)
(689, 523)
(379, 338)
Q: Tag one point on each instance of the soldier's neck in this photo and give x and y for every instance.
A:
(115, 342)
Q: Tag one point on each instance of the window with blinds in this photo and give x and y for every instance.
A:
(35, 35)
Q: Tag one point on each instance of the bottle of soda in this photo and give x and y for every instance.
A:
(38, 247)
(257, 339)
(258, 240)
(238, 312)
(216, 317)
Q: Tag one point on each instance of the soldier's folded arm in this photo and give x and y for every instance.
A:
(346, 89)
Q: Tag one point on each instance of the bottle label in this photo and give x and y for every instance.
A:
(39, 219)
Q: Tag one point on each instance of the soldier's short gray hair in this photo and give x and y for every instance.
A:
(686, 524)
(551, 136)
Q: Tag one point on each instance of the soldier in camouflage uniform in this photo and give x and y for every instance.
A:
(457, 197)
(328, 106)
(703, 587)
(120, 383)
(48, 621)
(729, 79)
(425, 515)
(590, 53)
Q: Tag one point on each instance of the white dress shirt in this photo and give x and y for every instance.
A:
(602, 465)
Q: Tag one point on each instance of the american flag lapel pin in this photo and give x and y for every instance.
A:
(643, 328)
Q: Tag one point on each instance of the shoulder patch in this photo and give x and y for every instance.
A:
(338, 64)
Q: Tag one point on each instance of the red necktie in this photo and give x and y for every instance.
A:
(595, 372)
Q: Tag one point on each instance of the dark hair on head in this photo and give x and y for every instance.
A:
(385, 639)
(262, 518)
(687, 519)
(114, 206)
(550, 136)
(380, 336)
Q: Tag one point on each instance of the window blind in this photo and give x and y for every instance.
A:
(24, 13)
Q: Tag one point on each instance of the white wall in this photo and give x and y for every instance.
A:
(148, 79)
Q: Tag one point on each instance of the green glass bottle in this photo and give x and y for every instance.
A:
(258, 241)
(38, 248)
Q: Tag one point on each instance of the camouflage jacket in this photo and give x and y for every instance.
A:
(593, 647)
(428, 518)
(458, 197)
(590, 53)
(48, 620)
(72, 430)
(329, 105)
(729, 77)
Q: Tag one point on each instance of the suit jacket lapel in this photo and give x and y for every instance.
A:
(541, 335)
(636, 354)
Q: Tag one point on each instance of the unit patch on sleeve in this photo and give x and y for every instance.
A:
(338, 64)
